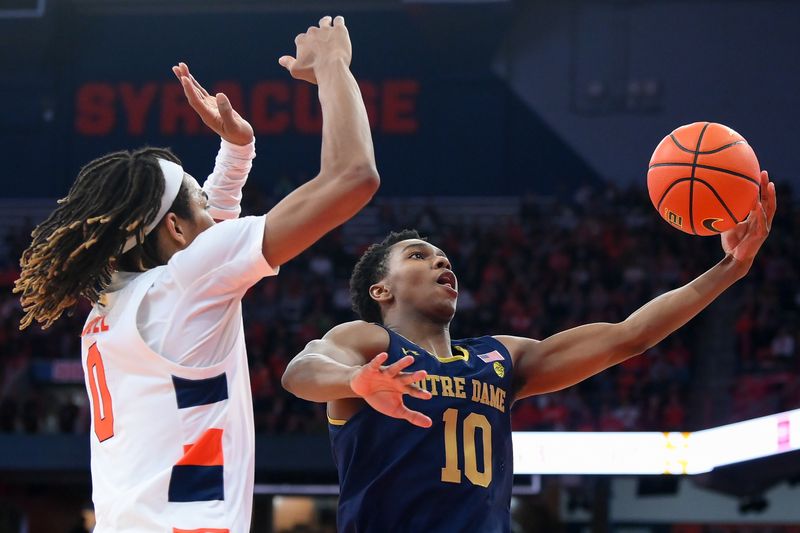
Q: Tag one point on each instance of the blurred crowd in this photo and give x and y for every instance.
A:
(766, 322)
(545, 268)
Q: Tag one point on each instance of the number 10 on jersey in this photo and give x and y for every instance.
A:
(451, 472)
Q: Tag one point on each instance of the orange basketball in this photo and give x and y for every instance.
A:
(703, 178)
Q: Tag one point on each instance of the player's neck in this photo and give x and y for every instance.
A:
(431, 336)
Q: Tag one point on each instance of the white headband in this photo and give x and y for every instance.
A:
(173, 178)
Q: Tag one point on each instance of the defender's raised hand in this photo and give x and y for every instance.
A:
(319, 45)
(383, 388)
(215, 111)
(745, 239)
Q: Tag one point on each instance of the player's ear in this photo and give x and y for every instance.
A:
(380, 292)
(175, 229)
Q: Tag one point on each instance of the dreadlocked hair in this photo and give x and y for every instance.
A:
(73, 252)
(370, 269)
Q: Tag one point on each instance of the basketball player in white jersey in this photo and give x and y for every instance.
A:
(172, 436)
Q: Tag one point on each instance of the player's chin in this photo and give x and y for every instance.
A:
(444, 310)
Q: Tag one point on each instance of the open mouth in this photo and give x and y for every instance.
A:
(447, 278)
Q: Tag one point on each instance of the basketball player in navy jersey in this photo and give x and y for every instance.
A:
(451, 469)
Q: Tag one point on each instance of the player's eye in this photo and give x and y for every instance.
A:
(417, 255)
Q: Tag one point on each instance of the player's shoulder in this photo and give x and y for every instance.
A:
(360, 335)
(506, 342)
(513, 340)
(228, 230)
(517, 346)
(230, 242)
(359, 327)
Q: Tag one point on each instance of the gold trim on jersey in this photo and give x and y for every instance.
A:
(336, 421)
(462, 356)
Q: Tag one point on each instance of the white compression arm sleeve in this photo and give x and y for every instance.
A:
(224, 185)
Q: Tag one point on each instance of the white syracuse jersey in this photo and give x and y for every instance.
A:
(172, 446)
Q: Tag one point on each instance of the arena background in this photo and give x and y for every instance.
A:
(516, 134)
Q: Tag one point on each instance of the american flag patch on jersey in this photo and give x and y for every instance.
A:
(494, 355)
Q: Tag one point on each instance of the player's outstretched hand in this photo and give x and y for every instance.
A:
(318, 46)
(215, 111)
(744, 240)
(383, 388)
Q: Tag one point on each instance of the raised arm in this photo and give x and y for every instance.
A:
(348, 177)
(237, 146)
(344, 364)
(576, 354)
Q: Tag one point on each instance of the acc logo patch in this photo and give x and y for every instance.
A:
(498, 369)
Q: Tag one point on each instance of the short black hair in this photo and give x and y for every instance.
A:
(369, 269)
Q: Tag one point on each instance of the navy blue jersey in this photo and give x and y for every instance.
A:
(454, 476)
